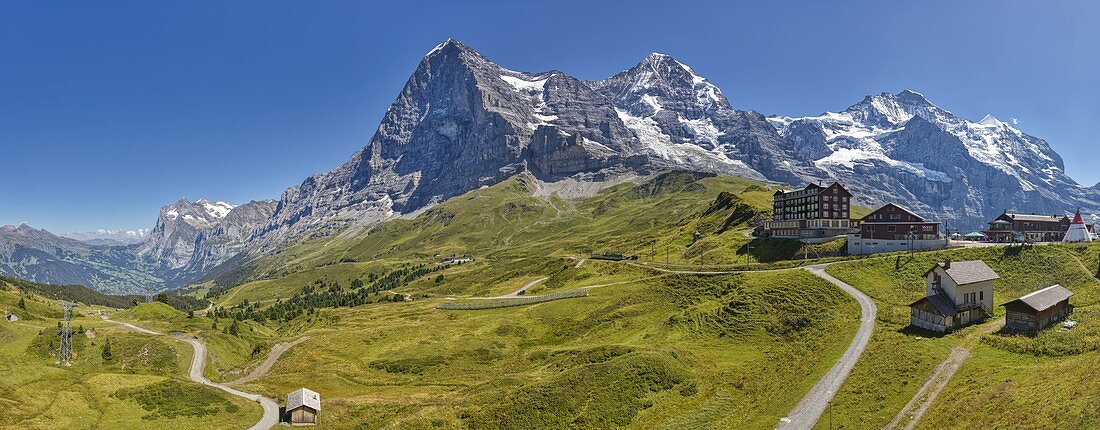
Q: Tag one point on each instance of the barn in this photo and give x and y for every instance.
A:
(1037, 310)
(302, 406)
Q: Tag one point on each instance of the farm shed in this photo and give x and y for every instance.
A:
(302, 406)
(1037, 310)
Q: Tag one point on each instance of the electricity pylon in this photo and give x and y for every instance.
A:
(66, 354)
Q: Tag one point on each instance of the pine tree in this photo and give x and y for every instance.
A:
(22, 304)
(107, 349)
(190, 314)
(234, 329)
(214, 325)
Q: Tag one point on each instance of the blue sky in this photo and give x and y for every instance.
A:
(109, 110)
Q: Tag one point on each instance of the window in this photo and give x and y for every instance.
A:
(891, 228)
(981, 295)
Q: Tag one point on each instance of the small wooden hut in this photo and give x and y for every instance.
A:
(1037, 310)
(303, 406)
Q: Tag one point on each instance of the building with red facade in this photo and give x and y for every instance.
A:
(892, 228)
(815, 212)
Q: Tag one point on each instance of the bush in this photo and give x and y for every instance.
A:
(171, 398)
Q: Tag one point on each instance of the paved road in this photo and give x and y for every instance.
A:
(272, 357)
(813, 404)
(198, 366)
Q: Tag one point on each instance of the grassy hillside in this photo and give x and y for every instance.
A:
(660, 351)
(140, 385)
(681, 218)
(1003, 371)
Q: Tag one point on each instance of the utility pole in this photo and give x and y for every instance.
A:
(65, 355)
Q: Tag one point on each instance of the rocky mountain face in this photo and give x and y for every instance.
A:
(41, 256)
(463, 122)
(191, 237)
(901, 148)
(683, 118)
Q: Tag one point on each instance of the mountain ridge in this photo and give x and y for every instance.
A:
(462, 122)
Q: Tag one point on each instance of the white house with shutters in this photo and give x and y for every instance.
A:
(956, 295)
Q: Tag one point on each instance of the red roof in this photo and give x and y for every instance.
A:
(1077, 218)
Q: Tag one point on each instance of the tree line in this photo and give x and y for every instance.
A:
(320, 294)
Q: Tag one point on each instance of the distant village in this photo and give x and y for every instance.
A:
(957, 294)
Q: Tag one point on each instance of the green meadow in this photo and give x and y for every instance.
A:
(640, 348)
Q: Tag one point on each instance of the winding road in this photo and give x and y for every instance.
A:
(806, 414)
(198, 366)
(814, 403)
(272, 357)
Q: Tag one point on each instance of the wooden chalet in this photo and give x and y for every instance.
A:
(892, 228)
(1037, 310)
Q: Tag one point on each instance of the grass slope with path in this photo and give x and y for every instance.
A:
(142, 385)
(677, 351)
(1002, 372)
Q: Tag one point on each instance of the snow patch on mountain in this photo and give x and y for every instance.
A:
(216, 209)
(523, 85)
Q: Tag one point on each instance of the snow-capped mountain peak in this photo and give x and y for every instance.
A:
(990, 121)
(929, 158)
(217, 209)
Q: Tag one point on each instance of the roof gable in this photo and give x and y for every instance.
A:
(967, 272)
(886, 207)
(940, 304)
(303, 397)
(1043, 299)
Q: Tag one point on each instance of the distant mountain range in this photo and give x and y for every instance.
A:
(463, 122)
(189, 239)
(109, 237)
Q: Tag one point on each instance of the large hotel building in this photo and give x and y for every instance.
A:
(814, 212)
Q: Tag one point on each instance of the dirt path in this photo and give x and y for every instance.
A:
(813, 404)
(926, 395)
(580, 263)
(272, 357)
(270, 417)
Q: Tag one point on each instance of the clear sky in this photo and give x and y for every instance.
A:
(109, 110)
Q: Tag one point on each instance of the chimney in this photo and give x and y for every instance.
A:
(947, 263)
